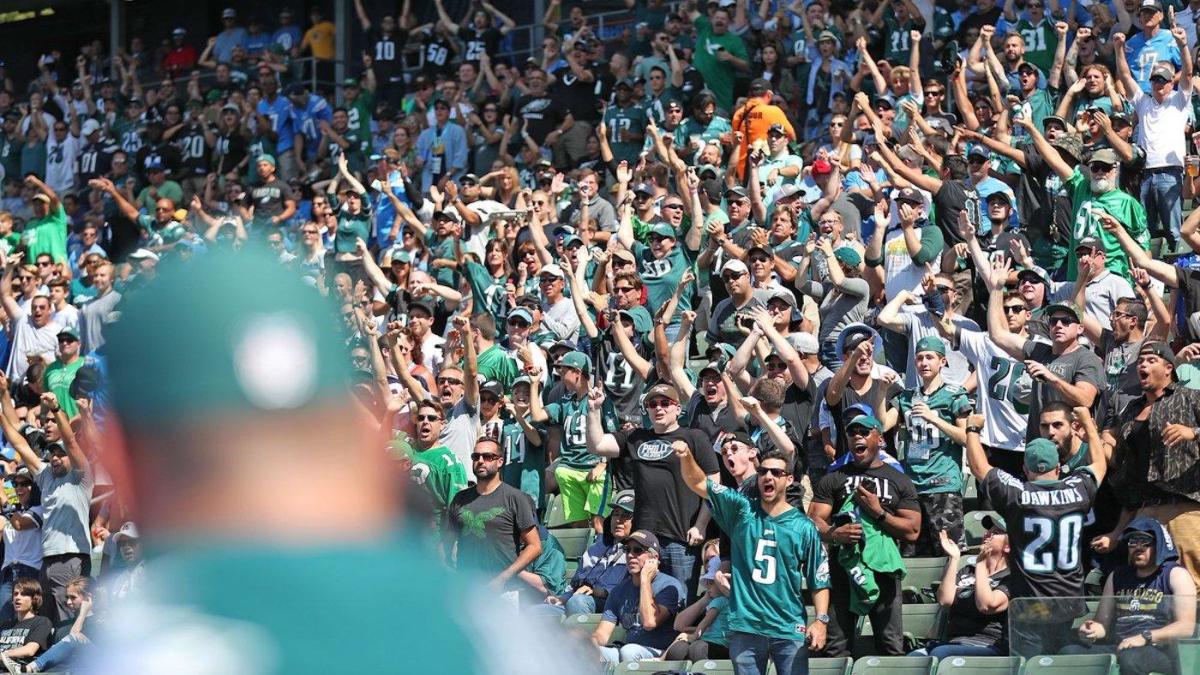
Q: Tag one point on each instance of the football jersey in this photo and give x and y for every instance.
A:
(1000, 379)
(570, 415)
(933, 461)
(1045, 527)
(772, 559)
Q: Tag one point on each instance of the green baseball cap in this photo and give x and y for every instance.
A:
(255, 336)
(931, 343)
(664, 230)
(269, 159)
(577, 360)
(1041, 455)
(848, 256)
(868, 421)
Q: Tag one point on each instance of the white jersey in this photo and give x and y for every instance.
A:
(999, 381)
(60, 163)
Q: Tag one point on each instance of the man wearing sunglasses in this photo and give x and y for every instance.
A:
(644, 604)
(493, 524)
(1149, 602)
(665, 505)
(434, 467)
(776, 551)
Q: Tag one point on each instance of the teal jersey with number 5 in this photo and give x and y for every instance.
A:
(932, 459)
(773, 558)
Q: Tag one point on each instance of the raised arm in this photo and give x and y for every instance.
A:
(444, 18)
(8, 424)
(975, 456)
(693, 476)
(1005, 339)
(599, 442)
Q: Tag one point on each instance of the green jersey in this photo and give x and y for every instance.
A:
(359, 111)
(931, 460)
(623, 121)
(10, 155)
(58, 378)
(497, 364)
(440, 472)
(1040, 43)
(718, 75)
(47, 235)
(524, 462)
(898, 43)
(489, 294)
(662, 277)
(1117, 203)
(443, 249)
(773, 557)
(570, 416)
(128, 134)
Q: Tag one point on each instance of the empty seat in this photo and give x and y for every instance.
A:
(980, 665)
(922, 574)
(1074, 664)
(574, 541)
(651, 666)
(556, 516)
(719, 666)
(830, 666)
(894, 665)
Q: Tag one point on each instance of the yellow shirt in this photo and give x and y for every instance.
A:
(320, 38)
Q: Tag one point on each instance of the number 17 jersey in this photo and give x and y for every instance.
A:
(1045, 527)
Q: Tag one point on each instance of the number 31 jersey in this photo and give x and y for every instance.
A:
(1045, 527)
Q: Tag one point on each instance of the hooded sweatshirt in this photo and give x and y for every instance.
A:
(1144, 603)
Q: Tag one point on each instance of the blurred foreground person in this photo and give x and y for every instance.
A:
(269, 513)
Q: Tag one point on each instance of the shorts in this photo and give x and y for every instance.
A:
(581, 497)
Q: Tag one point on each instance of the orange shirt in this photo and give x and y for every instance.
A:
(753, 120)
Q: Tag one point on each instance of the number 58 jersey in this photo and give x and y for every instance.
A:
(1045, 527)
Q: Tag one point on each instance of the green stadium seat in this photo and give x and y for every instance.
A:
(922, 623)
(585, 624)
(973, 527)
(574, 541)
(719, 667)
(555, 515)
(650, 666)
(980, 665)
(922, 574)
(1092, 606)
(830, 666)
(1074, 664)
(894, 665)
(1189, 656)
(571, 566)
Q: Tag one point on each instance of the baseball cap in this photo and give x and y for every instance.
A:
(1159, 349)
(1031, 273)
(624, 500)
(575, 359)
(643, 189)
(854, 335)
(229, 13)
(155, 165)
(423, 305)
(737, 191)
(1054, 118)
(269, 159)
(758, 87)
(492, 387)
(570, 240)
(868, 421)
(776, 129)
(663, 390)
(734, 265)
(127, 531)
(69, 332)
(712, 365)
(1041, 455)
(663, 230)
(39, 197)
(521, 313)
(804, 343)
(931, 343)
(89, 127)
(469, 178)
(552, 270)
(257, 339)
(910, 195)
(826, 35)
(179, 31)
(624, 255)
(626, 82)
(1088, 243)
(1001, 195)
(143, 254)
(780, 293)
(848, 255)
(1025, 65)
(995, 522)
(646, 540)
(821, 167)
(979, 151)
(1155, 5)
(1106, 155)
(739, 436)
(1060, 308)
(1070, 144)
(350, 82)
(1163, 70)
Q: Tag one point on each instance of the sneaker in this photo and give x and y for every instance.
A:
(11, 666)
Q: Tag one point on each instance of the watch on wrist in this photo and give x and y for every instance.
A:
(1196, 433)
(1148, 637)
(824, 618)
(974, 430)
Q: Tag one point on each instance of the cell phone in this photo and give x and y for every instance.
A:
(745, 322)
(503, 215)
(842, 518)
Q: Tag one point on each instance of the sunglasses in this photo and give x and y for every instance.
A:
(449, 380)
(429, 418)
(660, 403)
(733, 276)
(484, 456)
(934, 92)
(1065, 320)
(778, 473)
(518, 323)
(1139, 542)
(1100, 167)
(1014, 309)
(1117, 314)
(672, 206)
(625, 289)
(636, 550)
(776, 365)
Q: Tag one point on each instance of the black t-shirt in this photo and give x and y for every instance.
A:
(949, 200)
(895, 490)
(230, 150)
(387, 53)
(622, 383)
(1045, 529)
(437, 53)
(1045, 207)
(543, 113)
(269, 198)
(969, 626)
(164, 153)
(34, 629)
(489, 527)
(582, 98)
(665, 506)
(476, 43)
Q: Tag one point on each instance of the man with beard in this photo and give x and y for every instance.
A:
(934, 414)
(493, 525)
(875, 505)
(776, 552)
(1149, 602)
(1073, 434)
(856, 381)
(434, 467)
(665, 506)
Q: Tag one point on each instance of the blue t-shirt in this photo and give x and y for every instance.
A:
(1142, 54)
(307, 119)
(622, 608)
(282, 119)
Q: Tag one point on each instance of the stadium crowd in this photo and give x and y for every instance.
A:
(708, 334)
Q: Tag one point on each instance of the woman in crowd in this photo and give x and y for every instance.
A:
(22, 539)
(26, 635)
